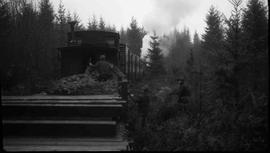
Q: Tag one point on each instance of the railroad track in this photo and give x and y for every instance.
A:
(63, 123)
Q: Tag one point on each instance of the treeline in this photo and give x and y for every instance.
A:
(133, 37)
(227, 72)
(31, 32)
(28, 49)
(230, 58)
(234, 73)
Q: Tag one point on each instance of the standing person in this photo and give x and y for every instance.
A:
(143, 103)
(182, 92)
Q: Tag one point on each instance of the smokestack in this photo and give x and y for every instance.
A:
(72, 25)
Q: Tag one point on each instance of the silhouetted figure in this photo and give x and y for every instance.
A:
(143, 102)
(182, 92)
(104, 69)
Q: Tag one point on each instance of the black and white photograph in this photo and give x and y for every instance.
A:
(134, 75)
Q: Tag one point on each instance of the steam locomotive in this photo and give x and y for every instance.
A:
(83, 45)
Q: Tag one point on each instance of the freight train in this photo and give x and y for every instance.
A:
(32, 123)
(83, 45)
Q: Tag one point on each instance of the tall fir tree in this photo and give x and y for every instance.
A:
(212, 50)
(46, 15)
(179, 52)
(101, 25)
(156, 66)
(214, 34)
(78, 26)
(48, 42)
(5, 29)
(93, 25)
(213, 38)
(196, 48)
(233, 59)
(61, 21)
(68, 16)
(196, 75)
(255, 33)
(89, 26)
(190, 72)
(61, 14)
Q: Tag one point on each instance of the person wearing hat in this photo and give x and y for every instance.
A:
(182, 91)
(103, 68)
(106, 69)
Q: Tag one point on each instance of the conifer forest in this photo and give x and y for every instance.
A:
(225, 69)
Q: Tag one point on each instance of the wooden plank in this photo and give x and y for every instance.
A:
(56, 97)
(66, 105)
(56, 118)
(64, 148)
(64, 144)
(58, 122)
(6, 101)
(46, 141)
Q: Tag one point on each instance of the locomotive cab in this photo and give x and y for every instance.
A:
(83, 45)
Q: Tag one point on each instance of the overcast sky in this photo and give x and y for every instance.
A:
(159, 15)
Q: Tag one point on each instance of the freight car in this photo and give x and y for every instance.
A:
(83, 45)
(77, 122)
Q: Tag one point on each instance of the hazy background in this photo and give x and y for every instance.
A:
(159, 15)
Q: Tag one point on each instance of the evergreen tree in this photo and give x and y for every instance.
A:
(101, 24)
(5, 29)
(196, 48)
(211, 63)
(110, 28)
(61, 14)
(28, 26)
(93, 25)
(78, 26)
(233, 59)
(89, 26)
(155, 56)
(196, 40)
(255, 33)
(178, 52)
(23, 41)
(213, 39)
(46, 15)
(47, 38)
(135, 36)
(190, 72)
(61, 21)
(196, 75)
(68, 17)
